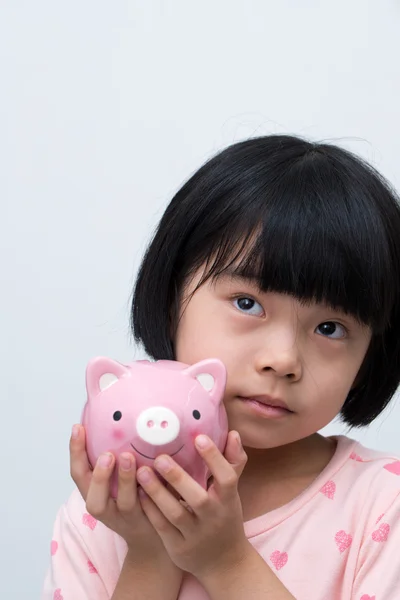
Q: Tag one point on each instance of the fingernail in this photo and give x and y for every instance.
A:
(144, 475)
(75, 432)
(125, 462)
(202, 442)
(105, 461)
(238, 440)
(163, 463)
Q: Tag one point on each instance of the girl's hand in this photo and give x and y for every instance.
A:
(209, 536)
(123, 515)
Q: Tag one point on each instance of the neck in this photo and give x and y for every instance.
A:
(275, 476)
(300, 457)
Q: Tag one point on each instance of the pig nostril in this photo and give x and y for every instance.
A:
(157, 425)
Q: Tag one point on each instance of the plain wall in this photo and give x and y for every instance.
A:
(105, 109)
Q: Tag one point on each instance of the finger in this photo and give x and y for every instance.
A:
(184, 485)
(98, 500)
(164, 528)
(234, 452)
(127, 486)
(169, 506)
(224, 474)
(80, 468)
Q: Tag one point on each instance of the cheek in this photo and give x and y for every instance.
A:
(119, 434)
(207, 342)
(325, 398)
(194, 430)
(198, 333)
(193, 342)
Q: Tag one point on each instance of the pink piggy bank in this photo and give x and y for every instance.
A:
(151, 408)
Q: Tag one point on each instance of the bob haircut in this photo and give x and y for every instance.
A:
(300, 218)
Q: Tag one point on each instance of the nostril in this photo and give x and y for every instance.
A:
(157, 425)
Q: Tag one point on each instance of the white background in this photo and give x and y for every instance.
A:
(105, 109)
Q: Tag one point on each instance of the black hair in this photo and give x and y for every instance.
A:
(302, 218)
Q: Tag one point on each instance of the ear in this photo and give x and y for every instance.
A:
(102, 372)
(211, 374)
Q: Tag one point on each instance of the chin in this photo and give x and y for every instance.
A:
(261, 440)
(265, 438)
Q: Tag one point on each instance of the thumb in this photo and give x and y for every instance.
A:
(234, 452)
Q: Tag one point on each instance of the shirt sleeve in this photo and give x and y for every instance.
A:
(378, 574)
(74, 572)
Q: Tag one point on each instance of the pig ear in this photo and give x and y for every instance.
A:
(211, 374)
(101, 373)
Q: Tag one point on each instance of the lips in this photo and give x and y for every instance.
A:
(268, 401)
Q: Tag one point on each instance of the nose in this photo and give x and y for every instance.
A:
(283, 358)
(158, 425)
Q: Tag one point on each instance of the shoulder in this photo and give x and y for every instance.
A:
(371, 479)
(375, 468)
(375, 496)
(364, 464)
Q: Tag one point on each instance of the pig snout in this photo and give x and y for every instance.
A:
(158, 425)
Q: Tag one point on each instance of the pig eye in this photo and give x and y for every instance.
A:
(117, 415)
(196, 414)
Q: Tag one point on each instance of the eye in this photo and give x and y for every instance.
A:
(117, 415)
(330, 328)
(196, 414)
(248, 305)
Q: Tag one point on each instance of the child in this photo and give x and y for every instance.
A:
(281, 258)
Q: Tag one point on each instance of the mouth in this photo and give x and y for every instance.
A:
(153, 457)
(266, 405)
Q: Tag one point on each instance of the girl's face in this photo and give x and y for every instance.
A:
(305, 356)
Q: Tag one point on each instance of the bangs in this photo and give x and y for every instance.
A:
(294, 240)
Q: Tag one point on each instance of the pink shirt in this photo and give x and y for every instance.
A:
(339, 539)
